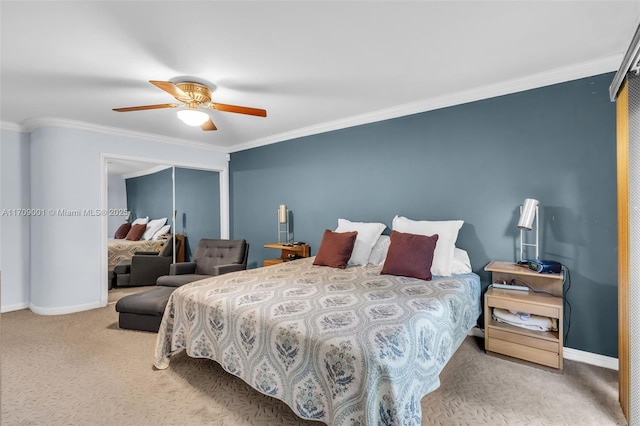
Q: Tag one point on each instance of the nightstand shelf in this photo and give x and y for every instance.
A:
(506, 271)
(287, 253)
(541, 347)
(551, 336)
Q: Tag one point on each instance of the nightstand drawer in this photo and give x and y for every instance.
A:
(523, 306)
(519, 339)
(527, 353)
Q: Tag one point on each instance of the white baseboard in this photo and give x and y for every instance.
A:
(14, 307)
(64, 309)
(572, 354)
(590, 358)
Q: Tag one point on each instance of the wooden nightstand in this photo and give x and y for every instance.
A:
(181, 250)
(541, 347)
(287, 252)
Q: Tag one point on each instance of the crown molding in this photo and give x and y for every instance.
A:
(13, 127)
(532, 81)
(34, 123)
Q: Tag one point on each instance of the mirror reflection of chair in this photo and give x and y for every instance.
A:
(144, 268)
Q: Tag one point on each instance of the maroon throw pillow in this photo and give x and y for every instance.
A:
(136, 231)
(410, 255)
(122, 231)
(335, 249)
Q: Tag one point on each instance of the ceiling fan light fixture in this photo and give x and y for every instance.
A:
(194, 98)
(193, 117)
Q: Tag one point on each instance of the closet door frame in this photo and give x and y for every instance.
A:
(622, 148)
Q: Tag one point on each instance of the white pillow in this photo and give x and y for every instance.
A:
(380, 249)
(447, 231)
(162, 231)
(461, 263)
(140, 221)
(368, 233)
(152, 227)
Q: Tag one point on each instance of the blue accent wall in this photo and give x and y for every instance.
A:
(476, 162)
(197, 202)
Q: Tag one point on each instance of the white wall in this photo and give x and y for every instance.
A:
(67, 256)
(14, 224)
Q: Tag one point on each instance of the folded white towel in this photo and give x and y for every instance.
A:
(525, 320)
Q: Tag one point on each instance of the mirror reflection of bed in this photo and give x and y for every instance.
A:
(142, 193)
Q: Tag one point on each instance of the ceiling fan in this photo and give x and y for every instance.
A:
(194, 96)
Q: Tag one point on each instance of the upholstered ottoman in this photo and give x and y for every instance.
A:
(143, 311)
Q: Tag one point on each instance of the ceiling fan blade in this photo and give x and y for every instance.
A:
(208, 125)
(171, 89)
(239, 109)
(141, 108)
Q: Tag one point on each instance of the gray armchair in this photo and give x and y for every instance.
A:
(144, 268)
(212, 257)
(144, 310)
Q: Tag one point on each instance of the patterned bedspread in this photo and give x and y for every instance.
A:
(125, 249)
(339, 346)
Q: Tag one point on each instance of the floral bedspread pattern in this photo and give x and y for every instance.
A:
(345, 347)
(124, 249)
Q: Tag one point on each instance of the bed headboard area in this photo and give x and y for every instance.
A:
(474, 162)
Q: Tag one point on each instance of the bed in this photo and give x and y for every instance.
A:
(341, 346)
(121, 249)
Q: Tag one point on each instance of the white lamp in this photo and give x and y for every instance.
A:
(283, 219)
(193, 117)
(528, 212)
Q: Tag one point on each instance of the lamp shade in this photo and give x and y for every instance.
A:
(282, 213)
(528, 213)
(193, 117)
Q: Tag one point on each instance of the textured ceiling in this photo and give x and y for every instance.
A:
(313, 66)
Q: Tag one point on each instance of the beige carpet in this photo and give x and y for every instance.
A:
(80, 369)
